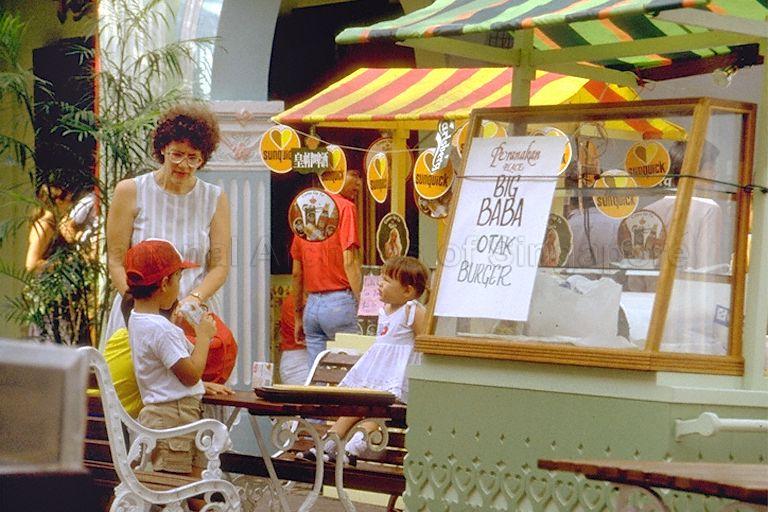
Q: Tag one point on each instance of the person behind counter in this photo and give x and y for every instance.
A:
(172, 203)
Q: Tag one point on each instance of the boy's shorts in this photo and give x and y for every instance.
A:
(177, 454)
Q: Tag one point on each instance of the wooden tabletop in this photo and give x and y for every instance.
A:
(260, 407)
(743, 482)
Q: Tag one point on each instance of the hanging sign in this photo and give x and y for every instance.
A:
(551, 131)
(488, 129)
(370, 301)
(428, 184)
(442, 151)
(377, 177)
(434, 208)
(616, 205)
(648, 162)
(275, 148)
(307, 161)
(380, 145)
(492, 257)
(392, 238)
(558, 242)
(641, 238)
(384, 145)
(333, 179)
(313, 215)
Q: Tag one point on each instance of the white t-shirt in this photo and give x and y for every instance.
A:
(157, 345)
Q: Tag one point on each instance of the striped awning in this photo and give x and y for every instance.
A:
(699, 30)
(417, 99)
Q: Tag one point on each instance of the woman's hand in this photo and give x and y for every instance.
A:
(211, 388)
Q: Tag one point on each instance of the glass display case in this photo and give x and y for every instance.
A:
(641, 261)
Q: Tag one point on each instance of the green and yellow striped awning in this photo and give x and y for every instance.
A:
(416, 99)
(664, 32)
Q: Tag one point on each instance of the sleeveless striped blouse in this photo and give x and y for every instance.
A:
(182, 219)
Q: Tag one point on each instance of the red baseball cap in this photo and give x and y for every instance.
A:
(149, 261)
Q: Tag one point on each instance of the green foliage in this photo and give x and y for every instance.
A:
(57, 301)
(138, 78)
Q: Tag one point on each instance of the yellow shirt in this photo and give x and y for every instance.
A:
(118, 355)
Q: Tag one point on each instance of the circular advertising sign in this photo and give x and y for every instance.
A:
(427, 184)
(488, 129)
(332, 179)
(313, 215)
(617, 205)
(434, 208)
(641, 237)
(275, 148)
(551, 131)
(648, 162)
(558, 242)
(377, 177)
(392, 238)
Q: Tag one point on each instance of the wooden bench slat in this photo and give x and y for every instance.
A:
(340, 359)
(97, 450)
(96, 428)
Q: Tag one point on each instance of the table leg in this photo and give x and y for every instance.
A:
(277, 489)
(377, 441)
(284, 435)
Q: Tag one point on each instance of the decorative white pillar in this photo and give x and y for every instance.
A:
(238, 169)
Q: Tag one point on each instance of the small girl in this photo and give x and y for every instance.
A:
(383, 366)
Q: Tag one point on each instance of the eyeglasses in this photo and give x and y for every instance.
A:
(176, 157)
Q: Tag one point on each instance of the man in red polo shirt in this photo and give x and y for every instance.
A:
(328, 273)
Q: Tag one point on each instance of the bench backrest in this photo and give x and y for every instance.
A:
(330, 366)
(329, 369)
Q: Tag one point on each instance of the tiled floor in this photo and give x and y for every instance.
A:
(296, 496)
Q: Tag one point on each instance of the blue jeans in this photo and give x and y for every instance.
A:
(325, 314)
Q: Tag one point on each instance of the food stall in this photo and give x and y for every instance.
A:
(400, 101)
(622, 350)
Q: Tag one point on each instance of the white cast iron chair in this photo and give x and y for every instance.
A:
(132, 495)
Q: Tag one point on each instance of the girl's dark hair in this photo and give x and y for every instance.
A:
(190, 122)
(408, 271)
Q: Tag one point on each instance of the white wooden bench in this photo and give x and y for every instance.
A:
(139, 488)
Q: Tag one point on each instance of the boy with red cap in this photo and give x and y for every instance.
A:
(168, 367)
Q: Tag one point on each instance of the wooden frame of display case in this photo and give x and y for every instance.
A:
(651, 358)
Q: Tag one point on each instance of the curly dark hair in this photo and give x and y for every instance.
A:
(190, 122)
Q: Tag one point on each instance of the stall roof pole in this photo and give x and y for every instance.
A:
(756, 313)
(399, 170)
(524, 71)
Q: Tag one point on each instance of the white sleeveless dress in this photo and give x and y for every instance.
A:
(383, 366)
(182, 219)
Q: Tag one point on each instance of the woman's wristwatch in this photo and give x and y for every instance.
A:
(197, 296)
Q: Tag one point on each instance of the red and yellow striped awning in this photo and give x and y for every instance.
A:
(417, 99)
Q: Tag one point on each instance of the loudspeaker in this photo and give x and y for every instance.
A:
(66, 70)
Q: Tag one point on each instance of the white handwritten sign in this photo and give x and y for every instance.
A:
(498, 228)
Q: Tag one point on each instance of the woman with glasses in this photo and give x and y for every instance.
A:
(172, 203)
